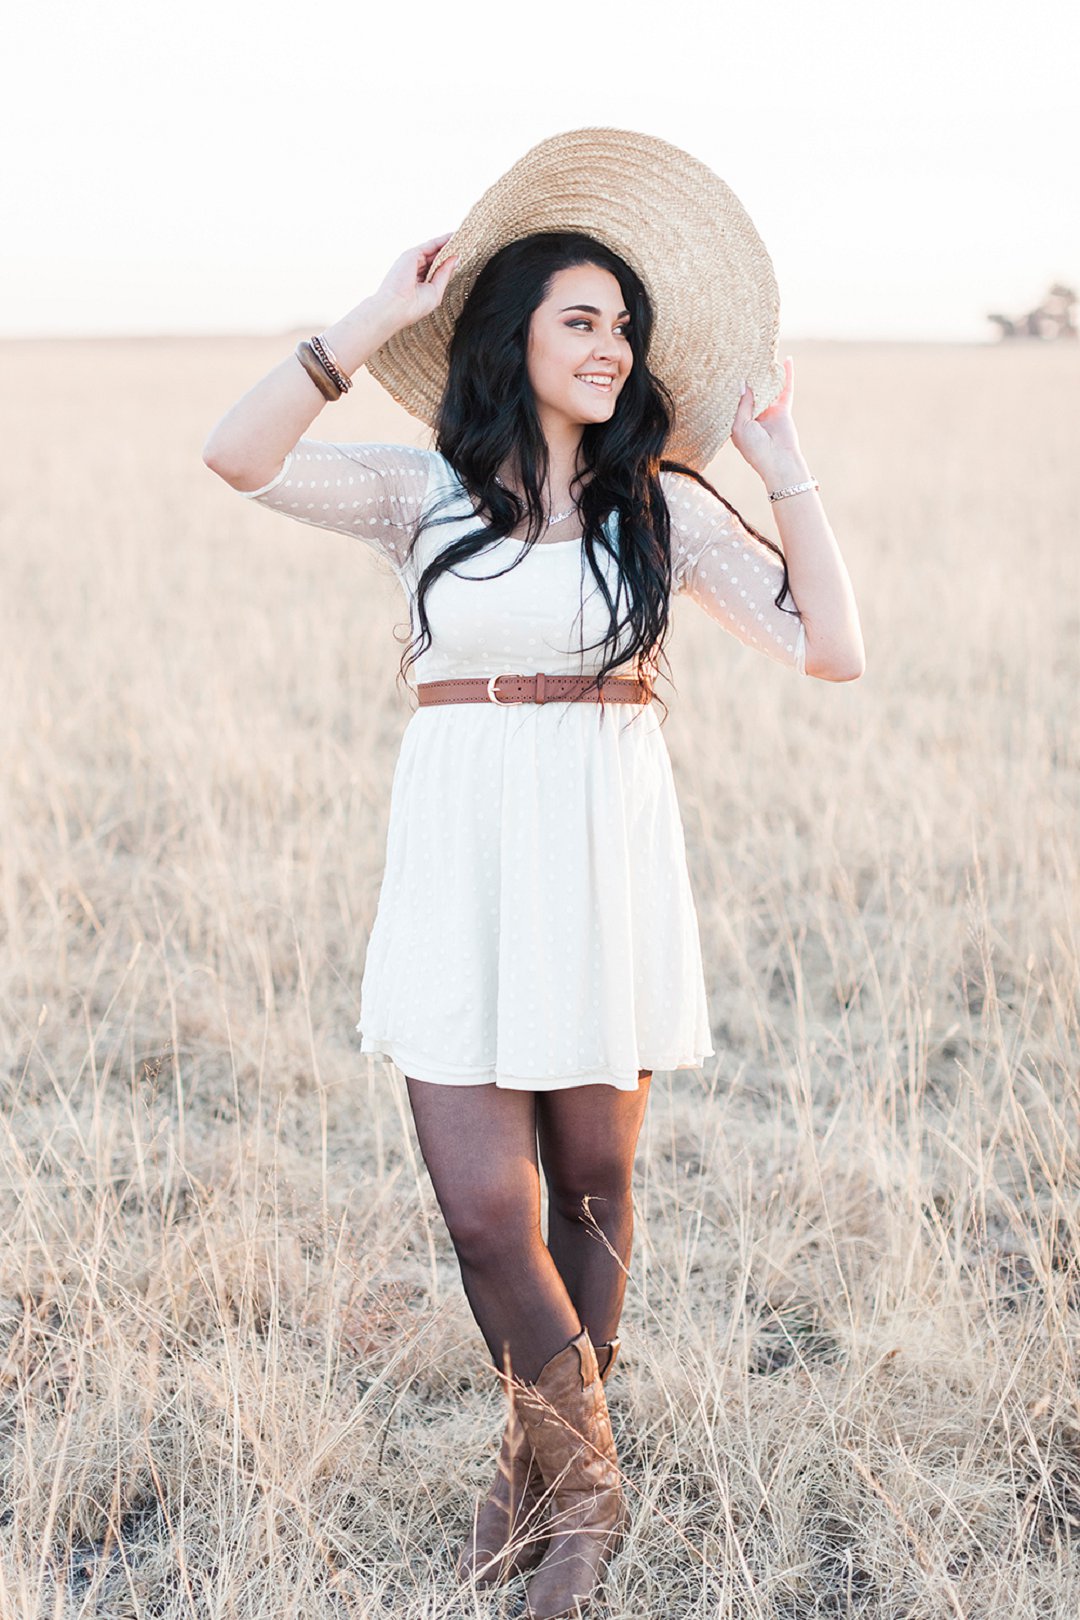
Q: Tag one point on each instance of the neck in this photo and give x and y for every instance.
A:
(563, 447)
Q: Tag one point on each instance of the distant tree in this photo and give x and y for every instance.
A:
(1054, 318)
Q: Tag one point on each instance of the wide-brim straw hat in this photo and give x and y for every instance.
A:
(677, 224)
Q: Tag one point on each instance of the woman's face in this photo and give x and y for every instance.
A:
(579, 354)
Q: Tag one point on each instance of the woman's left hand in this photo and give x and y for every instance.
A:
(769, 442)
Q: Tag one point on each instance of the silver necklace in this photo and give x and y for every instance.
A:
(559, 517)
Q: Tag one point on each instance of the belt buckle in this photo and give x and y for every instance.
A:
(502, 702)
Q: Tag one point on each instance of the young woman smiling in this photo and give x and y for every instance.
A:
(580, 347)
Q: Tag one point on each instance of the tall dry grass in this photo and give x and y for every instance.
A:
(240, 1377)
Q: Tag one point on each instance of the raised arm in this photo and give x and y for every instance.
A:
(819, 579)
(248, 446)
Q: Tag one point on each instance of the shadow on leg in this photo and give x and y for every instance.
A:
(587, 1141)
(479, 1146)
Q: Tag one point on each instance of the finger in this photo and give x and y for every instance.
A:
(451, 259)
(444, 272)
(427, 254)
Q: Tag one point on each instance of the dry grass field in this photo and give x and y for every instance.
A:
(240, 1376)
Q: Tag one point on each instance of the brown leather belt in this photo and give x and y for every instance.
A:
(538, 688)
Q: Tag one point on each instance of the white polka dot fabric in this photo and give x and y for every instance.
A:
(730, 574)
(371, 491)
(535, 926)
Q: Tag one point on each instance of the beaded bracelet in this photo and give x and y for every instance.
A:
(795, 489)
(325, 354)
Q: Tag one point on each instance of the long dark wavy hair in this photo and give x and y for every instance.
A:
(488, 414)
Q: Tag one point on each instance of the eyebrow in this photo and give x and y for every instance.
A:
(591, 309)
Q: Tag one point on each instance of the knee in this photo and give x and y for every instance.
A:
(604, 1185)
(490, 1226)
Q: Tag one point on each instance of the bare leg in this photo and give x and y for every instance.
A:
(479, 1145)
(587, 1138)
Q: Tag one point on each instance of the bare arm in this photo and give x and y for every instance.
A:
(249, 444)
(820, 583)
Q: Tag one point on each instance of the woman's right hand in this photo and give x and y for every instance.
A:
(405, 291)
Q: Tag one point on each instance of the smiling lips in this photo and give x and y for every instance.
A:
(600, 380)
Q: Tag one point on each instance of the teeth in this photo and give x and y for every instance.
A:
(597, 381)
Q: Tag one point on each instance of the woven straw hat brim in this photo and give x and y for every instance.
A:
(676, 223)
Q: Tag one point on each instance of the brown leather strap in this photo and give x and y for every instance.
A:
(539, 688)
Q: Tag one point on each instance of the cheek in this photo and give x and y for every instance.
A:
(553, 359)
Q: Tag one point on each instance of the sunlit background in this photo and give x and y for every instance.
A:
(241, 1374)
(249, 167)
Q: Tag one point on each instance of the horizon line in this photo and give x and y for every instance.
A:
(285, 332)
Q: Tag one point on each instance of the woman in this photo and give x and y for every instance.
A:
(580, 348)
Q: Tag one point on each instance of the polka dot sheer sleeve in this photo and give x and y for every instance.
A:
(373, 492)
(729, 573)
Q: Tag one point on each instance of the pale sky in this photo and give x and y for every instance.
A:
(250, 167)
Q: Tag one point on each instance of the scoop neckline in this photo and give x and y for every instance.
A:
(539, 545)
(547, 545)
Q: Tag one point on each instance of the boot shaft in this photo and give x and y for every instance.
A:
(565, 1415)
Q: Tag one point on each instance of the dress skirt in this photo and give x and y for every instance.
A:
(535, 927)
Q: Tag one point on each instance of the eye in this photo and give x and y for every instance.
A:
(583, 320)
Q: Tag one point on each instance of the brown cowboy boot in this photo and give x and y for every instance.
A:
(565, 1416)
(507, 1538)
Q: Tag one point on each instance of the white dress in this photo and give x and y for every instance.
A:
(535, 925)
